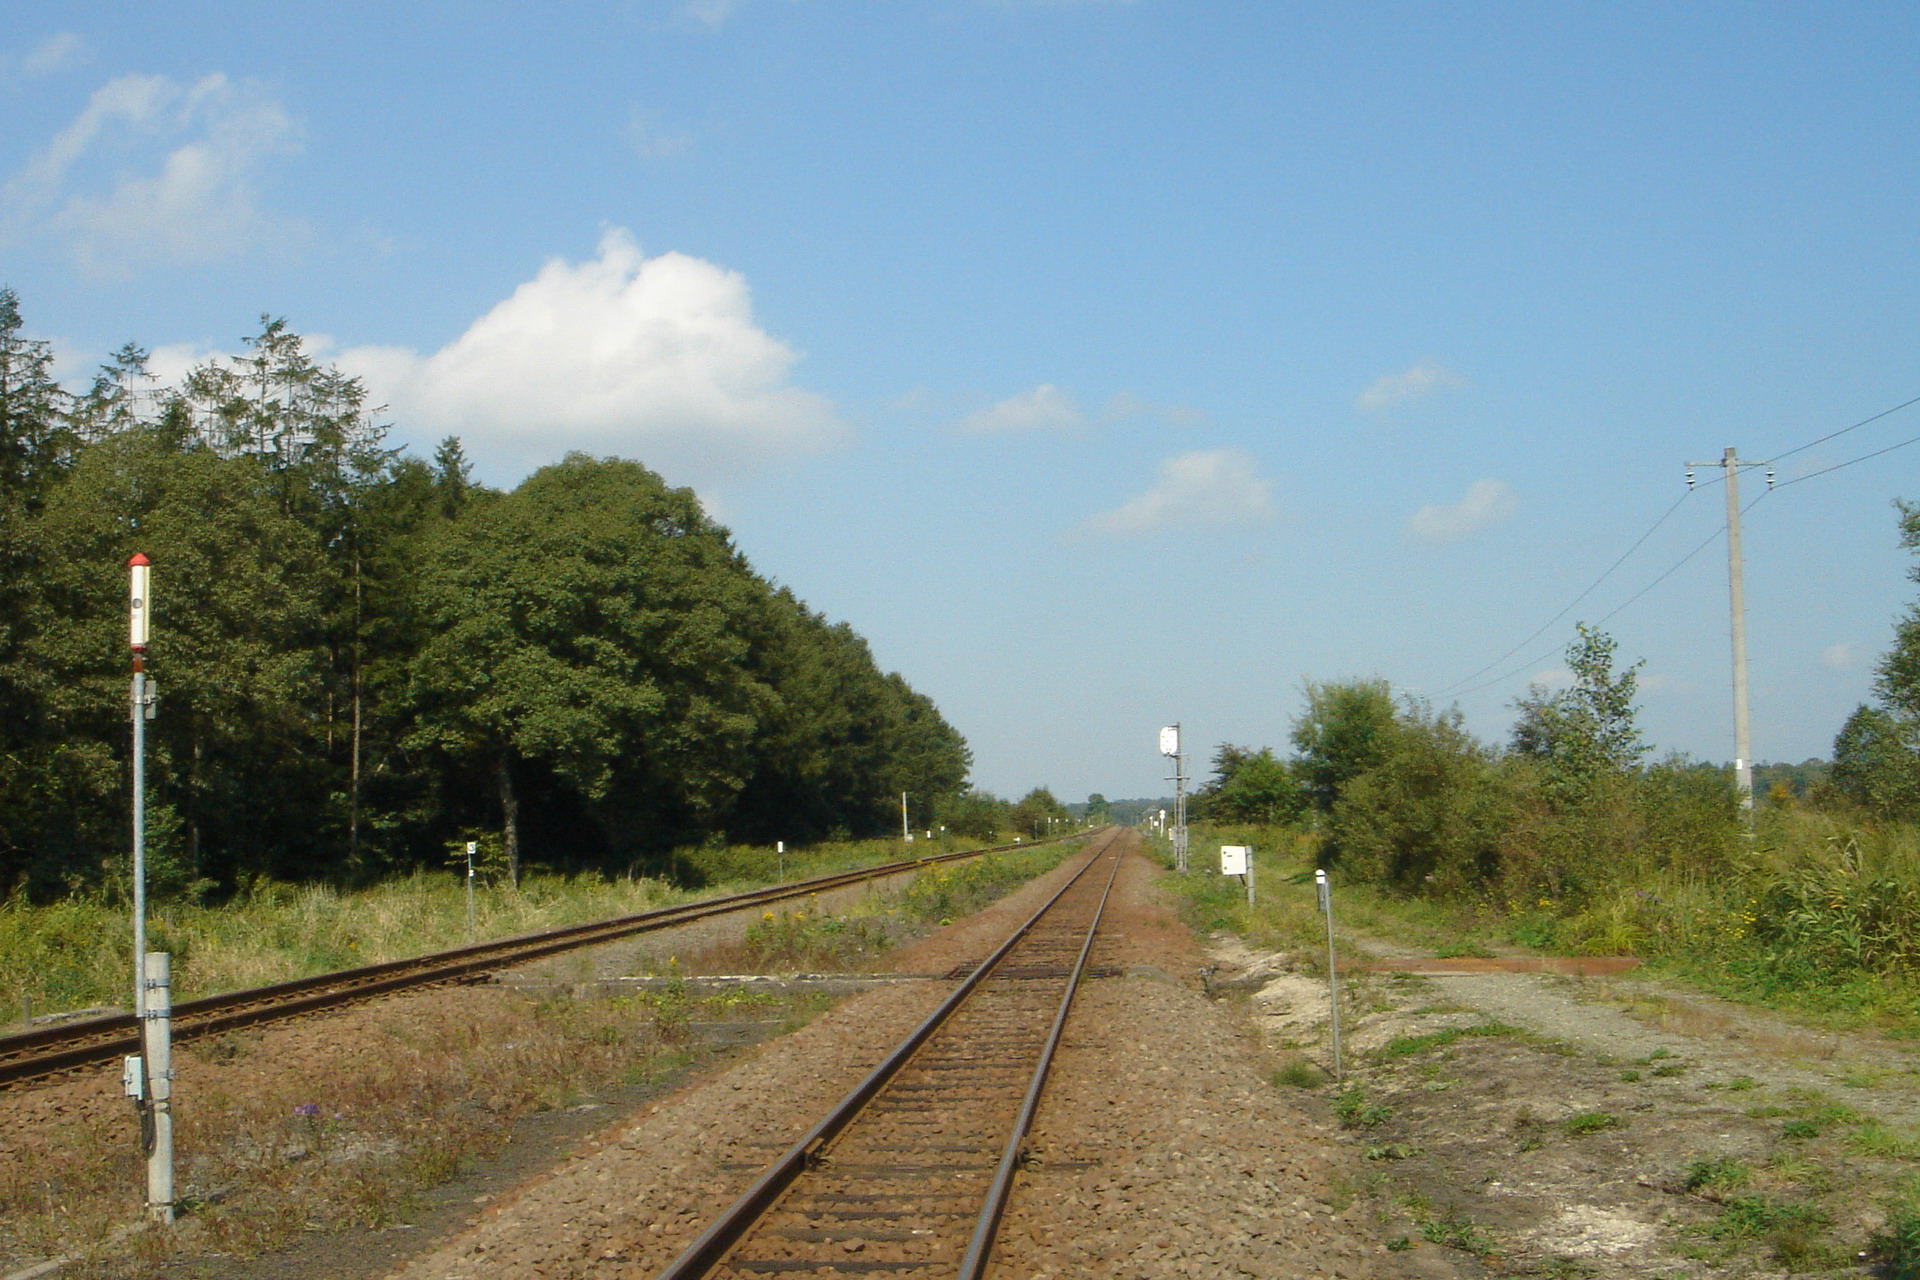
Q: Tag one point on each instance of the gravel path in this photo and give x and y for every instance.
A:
(1610, 1133)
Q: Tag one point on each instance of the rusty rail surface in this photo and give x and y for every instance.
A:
(31, 1055)
(917, 1161)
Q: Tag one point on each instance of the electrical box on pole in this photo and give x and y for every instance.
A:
(1170, 747)
(1237, 860)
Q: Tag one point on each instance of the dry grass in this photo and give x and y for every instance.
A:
(398, 1106)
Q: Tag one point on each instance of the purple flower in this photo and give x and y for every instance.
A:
(307, 1109)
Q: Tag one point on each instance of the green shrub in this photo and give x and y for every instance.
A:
(1896, 1246)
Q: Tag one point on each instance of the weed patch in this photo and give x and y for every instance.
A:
(1407, 1046)
(1716, 1173)
(1590, 1122)
(1457, 1231)
(1299, 1074)
(1353, 1111)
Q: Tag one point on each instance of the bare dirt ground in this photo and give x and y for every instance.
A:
(1530, 1123)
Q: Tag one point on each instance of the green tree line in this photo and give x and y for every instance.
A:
(1574, 832)
(362, 655)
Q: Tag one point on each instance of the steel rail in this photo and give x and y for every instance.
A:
(973, 1264)
(48, 1051)
(711, 1246)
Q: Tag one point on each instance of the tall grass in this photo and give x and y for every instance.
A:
(1816, 914)
(76, 953)
(1813, 913)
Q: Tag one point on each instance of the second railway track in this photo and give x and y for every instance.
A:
(49, 1051)
(908, 1175)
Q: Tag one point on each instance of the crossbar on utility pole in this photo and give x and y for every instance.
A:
(1737, 608)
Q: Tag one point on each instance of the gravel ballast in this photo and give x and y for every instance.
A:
(1159, 1150)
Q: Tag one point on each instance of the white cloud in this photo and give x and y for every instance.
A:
(171, 363)
(153, 172)
(56, 53)
(712, 13)
(1841, 657)
(1045, 408)
(1124, 404)
(1205, 487)
(657, 358)
(1487, 502)
(1551, 680)
(1424, 378)
(650, 141)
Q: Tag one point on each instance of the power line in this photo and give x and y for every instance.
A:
(1675, 568)
(1571, 603)
(1834, 435)
(1457, 691)
(1841, 466)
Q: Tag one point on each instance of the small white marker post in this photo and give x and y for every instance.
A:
(780, 848)
(1333, 975)
(472, 847)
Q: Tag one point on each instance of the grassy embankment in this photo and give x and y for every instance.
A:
(1814, 918)
(76, 953)
(360, 1139)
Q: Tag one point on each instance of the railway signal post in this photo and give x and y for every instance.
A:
(150, 1076)
(1170, 747)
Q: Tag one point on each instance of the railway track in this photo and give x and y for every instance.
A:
(909, 1174)
(33, 1055)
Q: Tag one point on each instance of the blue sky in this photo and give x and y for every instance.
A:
(1105, 362)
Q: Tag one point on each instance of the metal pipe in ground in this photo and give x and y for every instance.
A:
(1333, 971)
